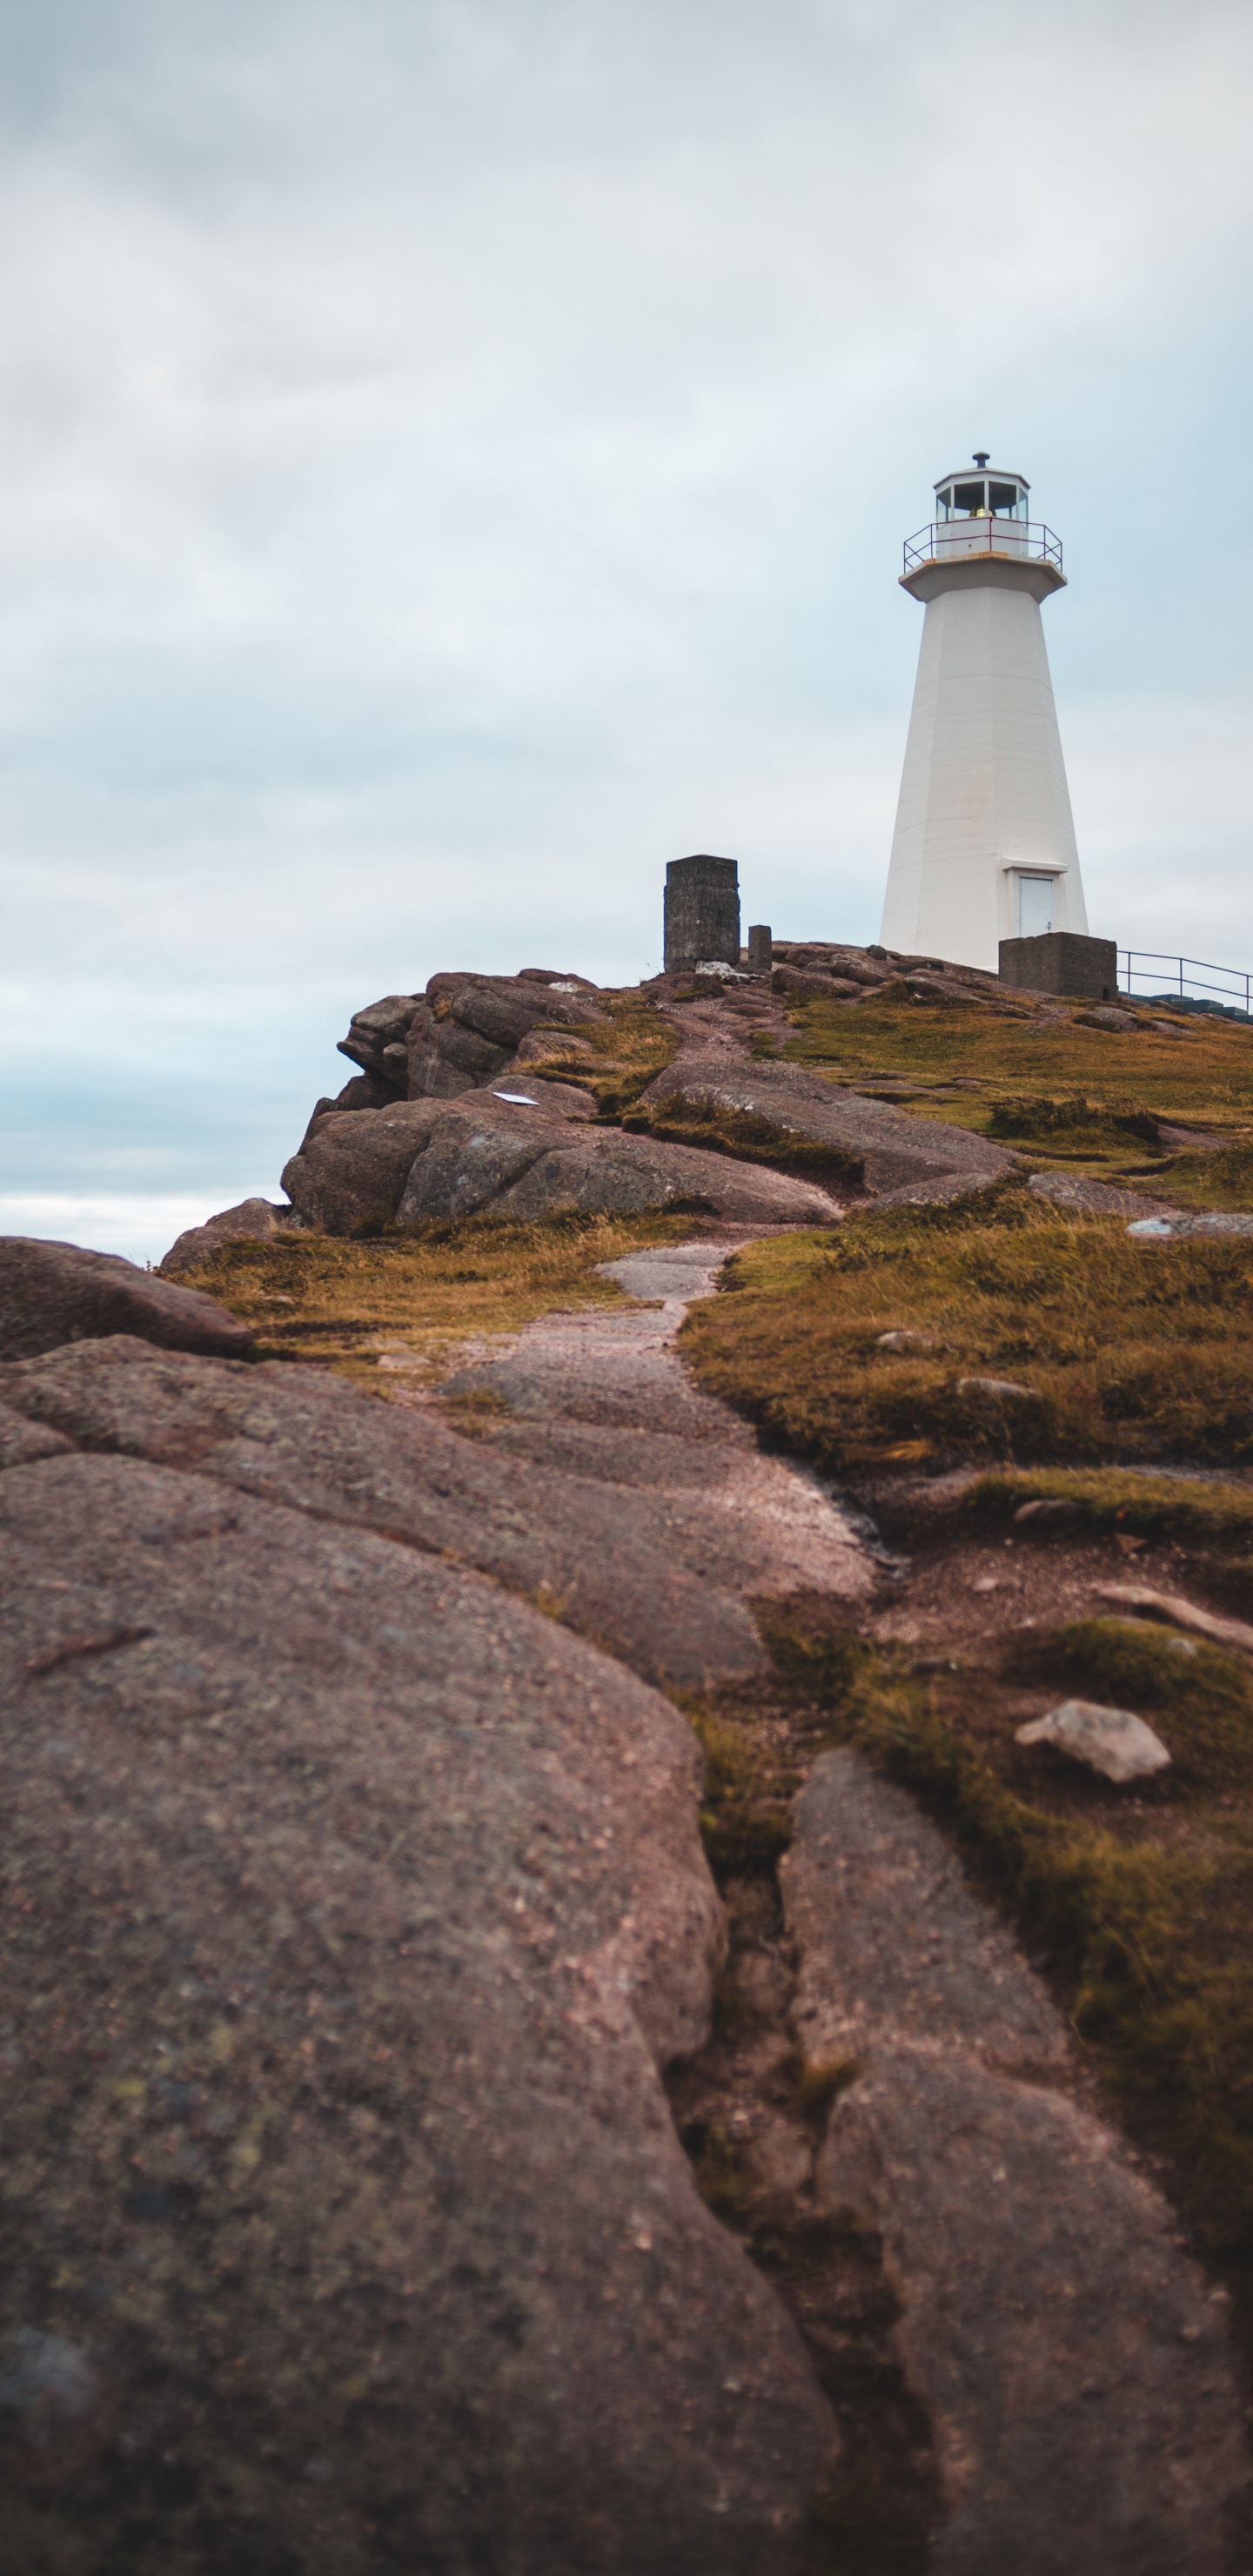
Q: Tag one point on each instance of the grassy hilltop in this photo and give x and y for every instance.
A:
(1133, 1363)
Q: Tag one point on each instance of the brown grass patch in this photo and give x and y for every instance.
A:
(1125, 1350)
(411, 1300)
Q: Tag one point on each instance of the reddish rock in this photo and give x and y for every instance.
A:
(1075, 2370)
(253, 1221)
(345, 2224)
(440, 1159)
(57, 1292)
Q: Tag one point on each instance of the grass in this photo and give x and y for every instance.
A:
(625, 1057)
(1205, 1078)
(411, 1299)
(1107, 1499)
(1127, 1351)
(1140, 1913)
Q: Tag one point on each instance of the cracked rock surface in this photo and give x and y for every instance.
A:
(1075, 2369)
(355, 1907)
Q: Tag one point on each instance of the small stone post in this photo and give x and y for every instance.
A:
(760, 949)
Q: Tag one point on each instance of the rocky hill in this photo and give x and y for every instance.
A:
(576, 2001)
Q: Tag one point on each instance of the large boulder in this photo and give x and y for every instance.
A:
(894, 1151)
(453, 1158)
(356, 1908)
(252, 1221)
(58, 1292)
(460, 1033)
(349, 1173)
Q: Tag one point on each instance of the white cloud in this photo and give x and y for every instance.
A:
(455, 460)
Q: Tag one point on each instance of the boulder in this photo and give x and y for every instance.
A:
(440, 1159)
(432, 1074)
(380, 1025)
(1109, 1740)
(1106, 1016)
(502, 1016)
(58, 1292)
(253, 1221)
(894, 1151)
(1093, 1198)
(352, 1167)
(1174, 1225)
(346, 2227)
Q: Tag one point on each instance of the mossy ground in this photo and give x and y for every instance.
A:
(624, 1057)
(1011, 1077)
(1127, 1350)
(1138, 1910)
(409, 1300)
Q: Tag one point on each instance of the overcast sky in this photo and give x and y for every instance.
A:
(454, 457)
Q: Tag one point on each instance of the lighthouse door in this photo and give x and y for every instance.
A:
(1035, 906)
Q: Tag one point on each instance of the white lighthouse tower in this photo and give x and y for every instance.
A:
(984, 846)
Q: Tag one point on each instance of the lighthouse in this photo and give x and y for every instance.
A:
(984, 846)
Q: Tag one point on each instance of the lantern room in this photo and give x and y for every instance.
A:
(985, 494)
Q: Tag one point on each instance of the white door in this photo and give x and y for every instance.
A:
(1035, 906)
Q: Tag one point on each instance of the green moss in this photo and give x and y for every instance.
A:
(1073, 1122)
(1147, 1941)
(1109, 1499)
(1126, 1350)
(1218, 1179)
(745, 1816)
(1206, 1076)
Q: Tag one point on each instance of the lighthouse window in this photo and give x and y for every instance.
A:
(969, 496)
(1003, 497)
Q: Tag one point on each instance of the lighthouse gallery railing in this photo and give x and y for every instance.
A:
(949, 540)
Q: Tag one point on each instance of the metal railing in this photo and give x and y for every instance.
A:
(950, 540)
(1189, 978)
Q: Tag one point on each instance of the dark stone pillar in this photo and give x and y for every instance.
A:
(702, 912)
(1062, 961)
(760, 949)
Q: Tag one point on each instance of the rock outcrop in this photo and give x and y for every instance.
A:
(355, 1907)
(463, 1031)
(252, 1221)
(361, 1170)
(52, 1293)
(891, 1154)
(666, 1592)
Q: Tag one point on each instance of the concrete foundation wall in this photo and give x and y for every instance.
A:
(702, 917)
(1061, 962)
(983, 791)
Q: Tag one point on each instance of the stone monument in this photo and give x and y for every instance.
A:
(702, 917)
